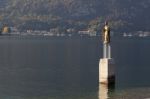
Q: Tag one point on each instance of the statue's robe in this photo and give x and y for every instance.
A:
(106, 34)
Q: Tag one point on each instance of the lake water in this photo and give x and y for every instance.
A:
(34, 67)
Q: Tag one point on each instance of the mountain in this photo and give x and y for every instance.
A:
(124, 15)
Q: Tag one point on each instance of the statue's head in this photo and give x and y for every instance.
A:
(106, 22)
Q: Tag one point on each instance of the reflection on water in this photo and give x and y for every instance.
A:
(103, 91)
(106, 91)
(60, 68)
(48, 68)
(133, 93)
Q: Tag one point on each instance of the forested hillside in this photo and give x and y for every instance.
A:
(124, 15)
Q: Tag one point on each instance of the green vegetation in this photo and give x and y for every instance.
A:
(127, 15)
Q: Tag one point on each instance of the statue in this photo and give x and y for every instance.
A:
(106, 34)
(106, 41)
(106, 64)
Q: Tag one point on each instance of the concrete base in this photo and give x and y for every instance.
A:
(106, 71)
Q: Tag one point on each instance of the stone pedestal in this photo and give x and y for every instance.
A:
(106, 71)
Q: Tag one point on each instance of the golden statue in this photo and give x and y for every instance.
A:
(106, 34)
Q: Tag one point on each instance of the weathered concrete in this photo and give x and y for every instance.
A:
(106, 71)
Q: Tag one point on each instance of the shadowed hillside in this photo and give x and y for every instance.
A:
(124, 15)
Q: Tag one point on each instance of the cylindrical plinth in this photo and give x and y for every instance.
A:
(106, 51)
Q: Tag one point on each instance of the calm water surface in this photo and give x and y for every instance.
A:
(67, 68)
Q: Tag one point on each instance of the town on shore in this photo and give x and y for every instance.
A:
(69, 32)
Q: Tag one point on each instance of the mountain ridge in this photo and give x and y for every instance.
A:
(129, 15)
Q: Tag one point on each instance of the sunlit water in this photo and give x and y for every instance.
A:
(67, 68)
